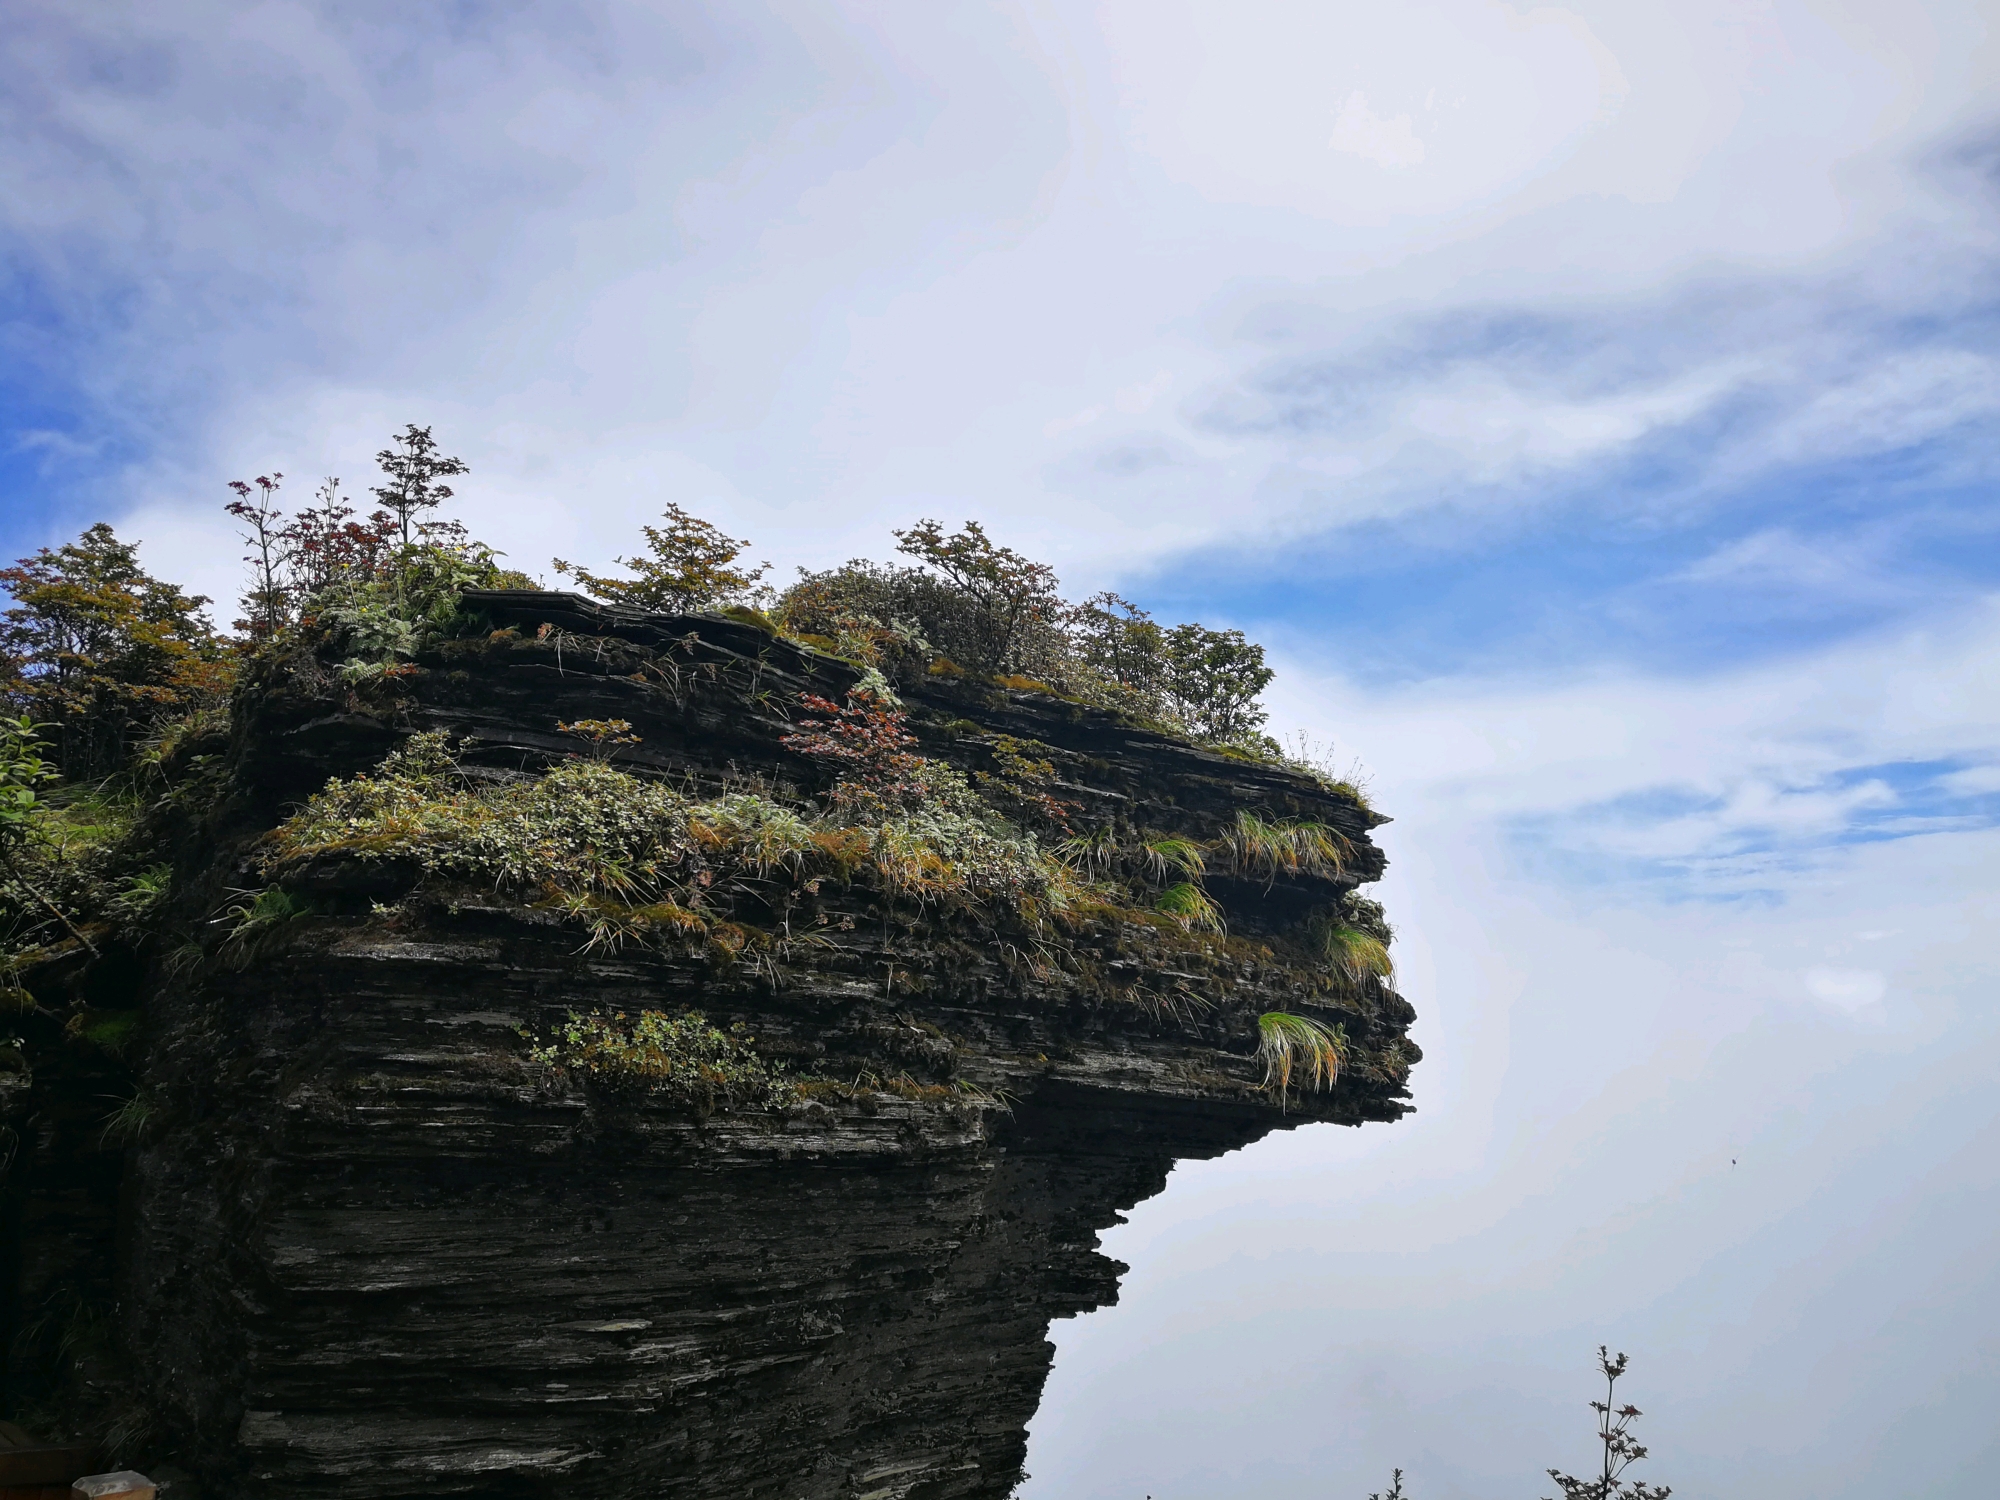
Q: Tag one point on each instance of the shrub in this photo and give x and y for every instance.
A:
(604, 735)
(867, 745)
(901, 619)
(23, 775)
(1211, 681)
(682, 1058)
(1120, 643)
(591, 837)
(976, 606)
(1012, 604)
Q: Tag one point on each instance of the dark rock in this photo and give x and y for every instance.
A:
(370, 1251)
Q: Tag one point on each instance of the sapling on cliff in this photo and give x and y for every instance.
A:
(604, 735)
(413, 465)
(693, 567)
(868, 747)
(267, 603)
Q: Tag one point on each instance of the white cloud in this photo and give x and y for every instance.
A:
(1719, 772)
(1973, 781)
(1359, 131)
(753, 241)
(1847, 989)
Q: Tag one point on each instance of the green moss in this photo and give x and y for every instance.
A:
(110, 1032)
(743, 614)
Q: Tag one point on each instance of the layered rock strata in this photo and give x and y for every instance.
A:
(368, 1248)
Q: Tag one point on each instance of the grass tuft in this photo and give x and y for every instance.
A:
(1289, 1043)
(1171, 854)
(1264, 851)
(1356, 955)
(1191, 906)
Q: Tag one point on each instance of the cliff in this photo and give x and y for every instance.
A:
(363, 1240)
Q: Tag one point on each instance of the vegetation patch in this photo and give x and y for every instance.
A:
(682, 1059)
(636, 859)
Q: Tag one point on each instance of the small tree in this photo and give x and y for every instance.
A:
(328, 544)
(693, 567)
(1010, 594)
(97, 650)
(1621, 1450)
(866, 743)
(1120, 643)
(1213, 678)
(268, 602)
(413, 465)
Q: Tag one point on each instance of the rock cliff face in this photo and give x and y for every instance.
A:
(366, 1248)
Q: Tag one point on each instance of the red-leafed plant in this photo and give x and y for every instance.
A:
(867, 744)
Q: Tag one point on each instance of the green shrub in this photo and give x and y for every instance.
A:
(681, 1058)
(691, 567)
(586, 832)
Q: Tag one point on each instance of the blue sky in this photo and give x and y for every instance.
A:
(1592, 405)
